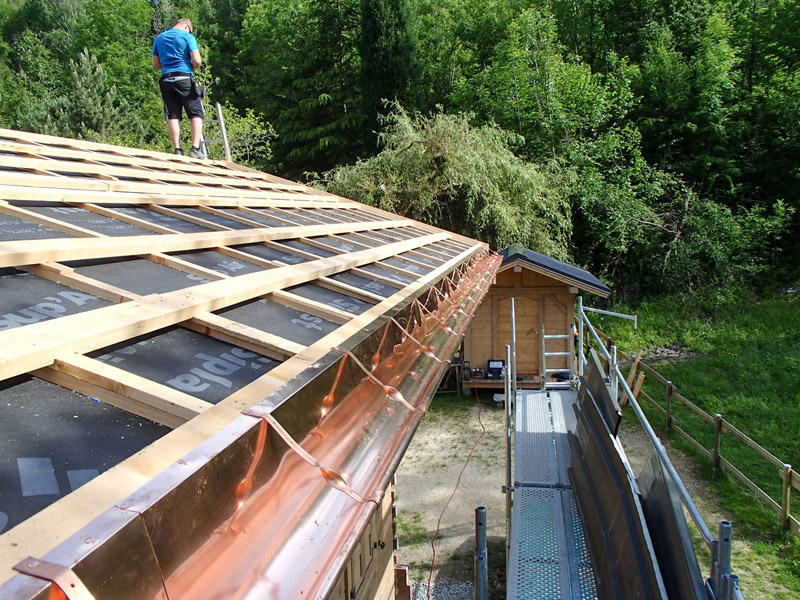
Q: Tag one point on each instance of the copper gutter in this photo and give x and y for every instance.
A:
(273, 505)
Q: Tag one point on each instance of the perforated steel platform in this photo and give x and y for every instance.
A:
(549, 558)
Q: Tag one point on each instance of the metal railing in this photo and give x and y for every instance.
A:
(721, 580)
(720, 427)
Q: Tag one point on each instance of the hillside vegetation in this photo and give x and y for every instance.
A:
(655, 143)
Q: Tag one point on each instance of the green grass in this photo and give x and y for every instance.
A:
(739, 356)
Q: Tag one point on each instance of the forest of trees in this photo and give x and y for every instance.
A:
(654, 142)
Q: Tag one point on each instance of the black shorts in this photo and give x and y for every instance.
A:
(179, 93)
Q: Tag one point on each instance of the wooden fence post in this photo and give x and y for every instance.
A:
(670, 390)
(715, 462)
(786, 496)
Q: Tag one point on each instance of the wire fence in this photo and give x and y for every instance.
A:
(727, 447)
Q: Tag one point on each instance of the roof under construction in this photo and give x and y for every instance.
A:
(208, 374)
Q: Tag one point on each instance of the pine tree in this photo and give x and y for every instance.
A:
(389, 70)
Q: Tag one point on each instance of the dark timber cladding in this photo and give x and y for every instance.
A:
(147, 300)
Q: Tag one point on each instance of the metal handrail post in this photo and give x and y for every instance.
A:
(221, 120)
(633, 318)
(509, 488)
(596, 337)
(581, 357)
(514, 350)
(481, 556)
(685, 497)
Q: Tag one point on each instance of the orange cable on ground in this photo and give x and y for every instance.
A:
(458, 482)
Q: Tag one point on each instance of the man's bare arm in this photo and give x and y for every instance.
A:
(156, 62)
(196, 60)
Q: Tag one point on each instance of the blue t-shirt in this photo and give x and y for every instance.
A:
(172, 47)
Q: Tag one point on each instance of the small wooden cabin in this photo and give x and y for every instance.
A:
(544, 291)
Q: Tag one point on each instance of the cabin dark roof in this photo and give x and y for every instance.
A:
(580, 277)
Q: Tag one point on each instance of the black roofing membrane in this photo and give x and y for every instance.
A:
(13, 229)
(198, 365)
(139, 276)
(377, 270)
(283, 321)
(266, 253)
(211, 218)
(219, 262)
(27, 299)
(89, 220)
(53, 440)
(257, 218)
(306, 248)
(157, 218)
(331, 298)
(368, 285)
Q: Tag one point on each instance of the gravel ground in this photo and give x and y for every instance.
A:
(443, 590)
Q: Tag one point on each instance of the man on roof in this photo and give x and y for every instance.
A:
(175, 53)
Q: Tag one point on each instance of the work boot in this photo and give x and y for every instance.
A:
(196, 153)
(178, 151)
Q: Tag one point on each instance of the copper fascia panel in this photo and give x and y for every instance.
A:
(245, 515)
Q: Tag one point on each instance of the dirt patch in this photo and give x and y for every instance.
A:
(429, 474)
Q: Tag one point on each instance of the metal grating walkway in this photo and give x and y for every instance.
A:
(549, 559)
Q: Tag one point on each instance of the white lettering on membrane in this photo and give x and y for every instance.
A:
(213, 369)
(308, 321)
(50, 308)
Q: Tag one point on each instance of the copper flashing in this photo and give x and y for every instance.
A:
(272, 505)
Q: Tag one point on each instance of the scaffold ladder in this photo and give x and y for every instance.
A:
(569, 354)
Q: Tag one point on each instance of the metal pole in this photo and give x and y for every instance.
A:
(612, 366)
(543, 361)
(513, 351)
(481, 563)
(581, 357)
(224, 133)
(633, 318)
(508, 489)
(724, 559)
(687, 499)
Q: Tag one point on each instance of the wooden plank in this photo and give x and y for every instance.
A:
(693, 407)
(312, 307)
(796, 480)
(634, 367)
(176, 214)
(40, 533)
(34, 217)
(690, 439)
(144, 158)
(113, 214)
(185, 266)
(15, 253)
(67, 276)
(126, 390)
(244, 336)
(50, 192)
(638, 387)
(349, 290)
(758, 449)
(197, 176)
(26, 348)
(761, 494)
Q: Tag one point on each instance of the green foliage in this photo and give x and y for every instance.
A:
(441, 170)
(388, 58)
(305, 73)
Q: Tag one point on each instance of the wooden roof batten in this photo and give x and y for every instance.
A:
(254, 261)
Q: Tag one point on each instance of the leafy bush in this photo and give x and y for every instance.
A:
(441, 170)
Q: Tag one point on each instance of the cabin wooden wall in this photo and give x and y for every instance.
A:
(538, 299)
(369, 574)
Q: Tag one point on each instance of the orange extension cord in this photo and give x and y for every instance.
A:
(458, 482)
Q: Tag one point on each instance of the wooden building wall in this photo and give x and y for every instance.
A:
(538, 299)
